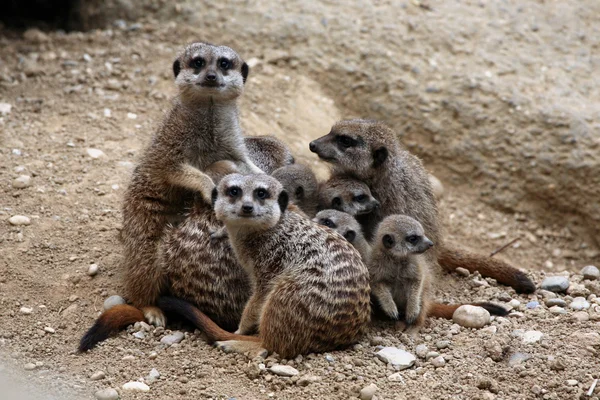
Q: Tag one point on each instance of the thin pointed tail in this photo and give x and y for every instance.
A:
(109, 323)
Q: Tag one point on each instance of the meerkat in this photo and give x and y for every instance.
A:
(301, 184)
(268, 152)
(311, 290)
(347, 226)
(371, 152)
(352, 196)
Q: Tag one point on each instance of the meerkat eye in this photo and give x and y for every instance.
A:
(234, 191)
(336, 202)
(224, 64)
(262, 194)
(299, 192)
(361, 198)
(346, 141)
(388, 241)
(327, 222)
(412, 239)
(197, 63)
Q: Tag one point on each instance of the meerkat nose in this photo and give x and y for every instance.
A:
(247, 208)
(211, 76)
(429, 243)
(313, 147)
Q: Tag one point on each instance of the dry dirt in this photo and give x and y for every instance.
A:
(312, 64)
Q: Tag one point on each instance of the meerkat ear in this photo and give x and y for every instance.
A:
(283, 200)
(214, 195)
(350, 235)
(245, 71)
(299, 192)
(379, 156)
(176, 68)
(336, 202)
(388, 241)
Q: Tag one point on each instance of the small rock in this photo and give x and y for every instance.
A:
(556, 284)
(96, 376)
(329, 358)
(490, 329)
(590, 272)
(35, 35)
(18, 220)
(442, 344)
(557, 310)
(5, 108)
(579, 303)
(431, 354)
(95, 153)
(73, 298)
(22, 182)
(397, 357)
(112, 301)
(546, 294)
(49, 330)
(581, 316)
(438, 362)
(377, 341)
(131, 116)
(504, 297)
(572, 382)
(283, 370)
(532, 304)
(136, 387)
(518, 358)
(368, 392)
(471, 316)
(454, 329)
(463, 272)
(253, 371)
(29, 366)
(397, 377)
(92, 270)
(532, 337)
(307, 380)
(175, 337)
(140, 335)
(26, 310)
(107, 394)
(556, 302)
(153, 355)
(153, 375)
(514, 303)
(128, 358)
(421, 350)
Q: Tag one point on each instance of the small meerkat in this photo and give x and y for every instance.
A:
(311, 290)
(347, 194)
(268, 152)
(347, 226)
(371, 152)
(301, 184)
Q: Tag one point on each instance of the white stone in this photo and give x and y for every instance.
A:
(557, 310)
(173, 338)
(471, 316)
(438, 362)
(532, 337)
(95, 153)
(26, 310)
(131, 116)
(29, 366)
(572, 382)
(5, 108)
(136, 387)
(514, 303)
(368, 392)
(555, 283)
(421, 350)
(98, 375)
(49, 330)
(18, 220)
(397, 377)
(112, 301)
(92, 270)
(283, 370)
(22, 182)
(139, 335)
(590, 272)
(579, 303)
(107, 394)
(397, 357)
(153, 375)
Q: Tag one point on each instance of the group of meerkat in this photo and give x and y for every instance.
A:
(230, 233)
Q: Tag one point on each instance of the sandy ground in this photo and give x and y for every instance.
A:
(107, 90)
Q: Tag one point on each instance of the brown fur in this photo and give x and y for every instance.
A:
(371, 152)
(109, 323)
(268, 152)
(347, 226)
(301, 184)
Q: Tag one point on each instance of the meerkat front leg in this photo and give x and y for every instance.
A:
(192, 178)
(251, 314)
(414, 300)
(383, 294)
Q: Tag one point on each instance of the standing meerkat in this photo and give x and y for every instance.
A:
(347, 226)
(311, 290)
(301, 184)
(371, 152)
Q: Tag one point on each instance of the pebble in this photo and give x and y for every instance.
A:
(422, 350)
(136, 387)
(329, 358)
(92, 270)
(26, 310)
(438, 362)
(22, 182)
(283, 370)
(532, 304)
(556, 302)
(557, 310)
(471, 316)
(572, 382)
(18, 220)
(29, 366)
(546, 294)
(581, 316)
(5, 108)
(131, 116)
(490, 329)
(556, 284)
(368, 392)
(307, 380)
(95, 153)
(153, 355)
(514, 303)
(579, 303)
(153, 375)
(397, 377)
(99, 375)
(128, 358)
(463, 272)
(590, 272)
(140, 335)
(532, 337)
(49, 330)
(431, 354)
(107, 394)
(173, 338)
(397, 357)
(112, 301)
(442, 344)
(518, 358)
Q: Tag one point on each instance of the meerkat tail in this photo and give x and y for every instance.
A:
(213, 331)
(446, 311)
(109, 323)
(450, 259)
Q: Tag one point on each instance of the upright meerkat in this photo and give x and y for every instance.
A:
(301, 184)
(371, 152)
(347, 226)
(311, 290)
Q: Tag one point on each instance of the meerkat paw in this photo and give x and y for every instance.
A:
(390, 310)
(154, 316)
(413, 315)
(253, 349)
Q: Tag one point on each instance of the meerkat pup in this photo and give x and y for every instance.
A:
(347, 226)
(311, 290)
(268, 152)
(301, 184)
(370, 152)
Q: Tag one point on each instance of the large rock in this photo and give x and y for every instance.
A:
(397, 357)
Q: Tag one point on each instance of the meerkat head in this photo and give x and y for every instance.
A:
(300, 182)
(402, 236)
(348, 195)
(254, 202)
(268, 153)
(359, 147)
(341, 222)
(204, 71)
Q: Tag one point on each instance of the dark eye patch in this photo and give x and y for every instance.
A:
(197, 63)
(388, 241)
(327, 222)
(413, 239)
(361, 198)
(299, 192)
(336, 203)
(234, 191)
(346, 141)
(224, 64)
(262, 193)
